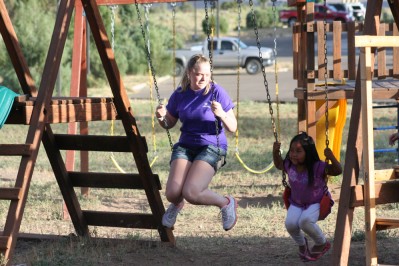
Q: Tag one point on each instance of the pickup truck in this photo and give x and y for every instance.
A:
(228, 52)
(290, 16)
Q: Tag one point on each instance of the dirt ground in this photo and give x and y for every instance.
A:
(195, 250)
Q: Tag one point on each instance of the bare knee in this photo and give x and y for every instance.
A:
(173, 195)
(191, 195)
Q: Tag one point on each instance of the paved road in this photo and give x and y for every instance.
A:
(252, 87)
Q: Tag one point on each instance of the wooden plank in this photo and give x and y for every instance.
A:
(109, 180)
(376, 41)
(351, 51)
(337, 93)
(15, 149)
(64, 183)
(66, 113)
(384, 223)
(310, 39)
(386, 192)
(36, 129)
(322, 66)
(92, 143)
(368, 155)
(395, 54)
(10, 193)
(119, 219)
(385, 174)
(337, 47)
(343, 232)
(295, 50)
(381, 56)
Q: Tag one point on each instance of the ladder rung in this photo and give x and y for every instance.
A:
(15, 150)
(120, 219)
(92, 143)
(109, 180)
(386, 223)
(9, 193)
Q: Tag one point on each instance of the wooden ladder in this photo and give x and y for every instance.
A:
(374, 193)
(40, 131)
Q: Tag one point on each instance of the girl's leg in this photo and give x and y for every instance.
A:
(177, 176)
(195, 189)
(308, 223)
(292, 225)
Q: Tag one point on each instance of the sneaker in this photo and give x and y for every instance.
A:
(169, 218)
(229, 214)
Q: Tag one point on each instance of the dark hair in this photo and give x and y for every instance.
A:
(311, 155)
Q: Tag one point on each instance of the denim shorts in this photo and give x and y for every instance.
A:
(209, 154)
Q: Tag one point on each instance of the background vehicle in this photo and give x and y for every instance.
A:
(357, 10)
(225, 55)
(290, 16)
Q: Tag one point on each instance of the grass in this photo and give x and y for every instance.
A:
(261, 213)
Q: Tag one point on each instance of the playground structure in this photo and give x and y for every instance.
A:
(380, 83)
(39, 110)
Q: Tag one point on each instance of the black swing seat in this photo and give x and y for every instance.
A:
(64, 110)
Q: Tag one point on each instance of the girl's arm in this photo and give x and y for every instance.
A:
(228, 118)
(278, 161)
(335, 167)
(165, 119)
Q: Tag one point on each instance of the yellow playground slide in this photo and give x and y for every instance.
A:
(336, 123)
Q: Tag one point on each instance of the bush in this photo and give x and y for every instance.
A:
(223, 24)
(264, 19)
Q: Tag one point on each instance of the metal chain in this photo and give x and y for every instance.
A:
(274, 9)
(238, 71)
(174, 41)
(152, 69)
(326, 72)
(113, 11)
(213, 97)
(284, 178)
(265, 82)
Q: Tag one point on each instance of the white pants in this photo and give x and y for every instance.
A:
(300, 221)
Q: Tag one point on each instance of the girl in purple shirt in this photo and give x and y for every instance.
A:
(202, 146)
(307, 176)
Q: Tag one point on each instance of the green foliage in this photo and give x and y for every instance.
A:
(33, 39)
(263, 18)
(387, 16)
(228, 5)
(34, 35)
(223, 25)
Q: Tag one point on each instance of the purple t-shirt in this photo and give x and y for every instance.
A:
(193, 109)
(303, 195)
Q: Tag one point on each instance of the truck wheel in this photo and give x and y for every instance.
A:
(253, 66)
(291, 22)
(179, 69)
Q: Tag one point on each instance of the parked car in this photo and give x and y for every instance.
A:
(357, 10)
(290, 16)
(225, 55)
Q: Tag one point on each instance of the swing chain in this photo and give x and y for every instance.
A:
(152, 69)
(173, 4)
(325, 72)
(113, 10)
(210, 41)
(263, 70)
(238, 71)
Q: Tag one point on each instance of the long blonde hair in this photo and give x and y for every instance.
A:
(193, 63)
